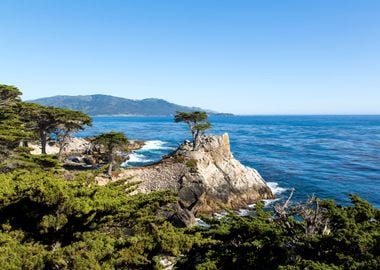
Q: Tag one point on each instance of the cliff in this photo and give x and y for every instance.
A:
(207, 180)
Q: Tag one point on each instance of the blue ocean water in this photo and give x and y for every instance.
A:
(329, 156)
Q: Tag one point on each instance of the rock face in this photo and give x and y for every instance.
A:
(206, 180)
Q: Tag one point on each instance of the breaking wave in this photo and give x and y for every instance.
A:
(152, 151)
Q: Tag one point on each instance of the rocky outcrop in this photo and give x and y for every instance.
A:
(74, 146)
(77, 146)
(80, 154)
(206, 180)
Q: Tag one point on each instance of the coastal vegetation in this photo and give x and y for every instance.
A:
(112, 142)
(12, 127)
(314, 235)
(47, 121)
(197, 123)
(49, 222)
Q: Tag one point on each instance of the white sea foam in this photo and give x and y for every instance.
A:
(139, 156)
(269, 202)
(155, 145)
(136, 158)
(275, 188)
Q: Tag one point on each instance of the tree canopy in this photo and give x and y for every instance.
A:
(8, 95)
(68, 122)
(44, 121)
(348, 239)
(197, 123)
(47, 222)
(12, 128)
(112, 141)
(22, 122)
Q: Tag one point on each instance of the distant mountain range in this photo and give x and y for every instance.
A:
(110, 105)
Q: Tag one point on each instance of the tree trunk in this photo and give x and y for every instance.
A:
(110, 161)
(24, 143)
(62, 144)
(193, 136)
(196, 140)
(43, 140)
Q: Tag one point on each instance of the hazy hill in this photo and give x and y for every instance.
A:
(110, 105)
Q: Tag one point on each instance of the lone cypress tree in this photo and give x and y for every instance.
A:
(197, 122)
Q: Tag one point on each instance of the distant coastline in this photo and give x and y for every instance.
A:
(106, 105)
(157, 115)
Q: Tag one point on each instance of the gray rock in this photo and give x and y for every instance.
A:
(207, 180)
(178, 215)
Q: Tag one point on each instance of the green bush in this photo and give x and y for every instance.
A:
(266, 241)
(48, 222)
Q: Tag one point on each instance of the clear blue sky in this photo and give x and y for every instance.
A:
(245, 57)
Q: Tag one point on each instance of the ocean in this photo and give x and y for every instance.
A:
(329, 156)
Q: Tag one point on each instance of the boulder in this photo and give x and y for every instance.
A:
(178, 215)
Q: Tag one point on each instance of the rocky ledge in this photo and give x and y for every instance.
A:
(207, 180)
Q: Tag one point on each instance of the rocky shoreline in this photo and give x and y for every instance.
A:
(79, 154)
(206, 180)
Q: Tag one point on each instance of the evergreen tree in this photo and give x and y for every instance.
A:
(197, 122)
(112, 141)
(12, 130)
(40, 120)
(68, 122)
(266, 240)
(47, 222)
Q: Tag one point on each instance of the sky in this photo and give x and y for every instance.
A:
(237, 56)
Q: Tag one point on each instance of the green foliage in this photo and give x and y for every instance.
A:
(48, 222)
(112, 141)
(44, 121)
(24, 160)
(16, 254)
(12, 129)
(21, 121)
(187, 117)
(40, 119)
(8, 95)
(197, 122)
(263, 241)
(66, 123)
